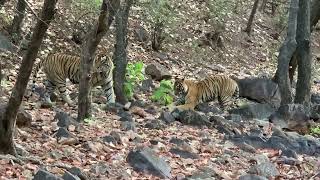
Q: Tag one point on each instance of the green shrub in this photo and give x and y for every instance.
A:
(90, 5)
(134, 76)
(163, 94)
(315, 130)
(220, 9)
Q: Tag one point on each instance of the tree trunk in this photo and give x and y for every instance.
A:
(303, 54)
(8, 119)
(252, 14)
(263, 5)
(15, 29)
(314, 18)
(314, 13)
(157, 37)
(120, 53)
(93, 38)
(286, 51)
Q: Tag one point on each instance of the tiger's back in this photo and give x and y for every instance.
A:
(58, 67)
(215, 87)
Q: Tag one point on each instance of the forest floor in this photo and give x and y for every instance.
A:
(242, 56)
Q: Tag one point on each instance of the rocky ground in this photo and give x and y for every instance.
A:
(139, 140)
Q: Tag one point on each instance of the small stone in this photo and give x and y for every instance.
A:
(157, 71)
(24, 119)
(154, 124)
(252, 177)
(266, 169)
(21, 150)
(63, 132)
(167, 117)
(184, 154)
(100, 168)
(128, 125)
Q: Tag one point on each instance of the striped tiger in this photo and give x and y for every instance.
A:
(213, 87)
(58, 67)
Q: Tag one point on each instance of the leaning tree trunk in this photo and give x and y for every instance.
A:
(287, 49)
(314, 18)
(8, 119)
(92, 39)
(252, 14)
(303, 54)
(120, 53)
(15, 29)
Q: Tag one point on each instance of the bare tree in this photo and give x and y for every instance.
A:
(303, 54)
(252, 14)
(314, 18)
(120, 54)
(92, 39)
(8, 119)
(15, 29)
(286, 51)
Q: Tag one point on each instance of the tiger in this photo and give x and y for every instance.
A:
(191, 92)
(58, 67)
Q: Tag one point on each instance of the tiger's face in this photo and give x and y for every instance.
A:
(102, 63)
(179, 87)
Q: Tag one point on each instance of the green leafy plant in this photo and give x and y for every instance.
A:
(315, 130)
(164, 94)
(90, 120)
(220, 9)
(134, 76)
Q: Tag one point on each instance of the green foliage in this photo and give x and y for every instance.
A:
(164, 94)
(134, 76)
(89, 121)
(159, 12)
(315, 130)
(281, 18)
(220, 9)
(90, 5)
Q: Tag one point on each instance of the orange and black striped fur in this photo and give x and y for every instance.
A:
(219, 87)
(58, 67)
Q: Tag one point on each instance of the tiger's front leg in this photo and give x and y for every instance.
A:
(190, 104)
(64, 95)
(109, 92)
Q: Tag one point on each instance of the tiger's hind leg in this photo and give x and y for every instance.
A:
(63, 92)
(50, 88)
(225, 102)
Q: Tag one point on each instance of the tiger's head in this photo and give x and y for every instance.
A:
(180, 87)
(103, 63)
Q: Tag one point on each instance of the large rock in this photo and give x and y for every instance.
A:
(254, 110)
(252, 177)
(192, 118)
(145, 160)
(157, 71)
(45, 175)
(260, 89)
(293, 117)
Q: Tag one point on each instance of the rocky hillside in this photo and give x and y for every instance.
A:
(141, 140)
